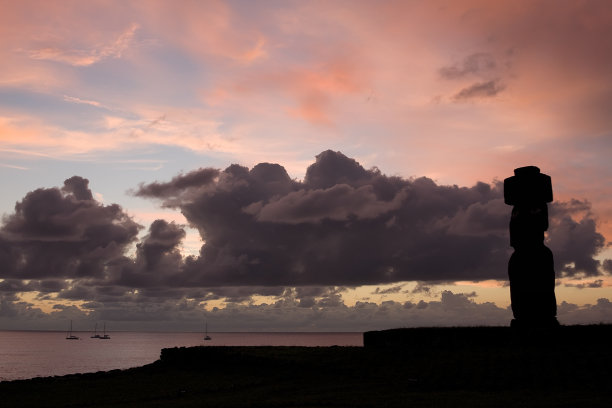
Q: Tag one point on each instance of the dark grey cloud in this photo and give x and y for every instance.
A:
(63, 233)
(607, 266)
(477, 64)
(333, 168)
(601, 312)
(42, 286)
(12, 309)
(179, 186)
(79, 187)
(392, 289)
(345, 225)
(483, 71)
(421, 287)
(479, 90)
(15, 286)
(158, 258)
(574, 239)
(337, 203)
(587, 285)
(289, 311)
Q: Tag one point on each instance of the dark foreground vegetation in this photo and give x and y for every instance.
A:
(475, 367)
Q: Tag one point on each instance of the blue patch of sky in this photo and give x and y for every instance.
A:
(111, 174)
(259, 17)
(109, 80)
(171, 78)
(53, 109)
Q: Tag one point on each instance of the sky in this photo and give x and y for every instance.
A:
(296, 166)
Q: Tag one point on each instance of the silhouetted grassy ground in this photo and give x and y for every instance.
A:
(531, 371)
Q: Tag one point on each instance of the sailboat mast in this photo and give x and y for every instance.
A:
(206, 336)
(69, 335)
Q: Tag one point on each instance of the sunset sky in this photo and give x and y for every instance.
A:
(296, 165)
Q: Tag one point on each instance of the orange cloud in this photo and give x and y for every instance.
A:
(311, 91)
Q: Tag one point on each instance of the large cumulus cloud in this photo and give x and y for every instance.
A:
(345, 225)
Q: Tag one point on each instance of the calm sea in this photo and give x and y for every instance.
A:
(29, 354)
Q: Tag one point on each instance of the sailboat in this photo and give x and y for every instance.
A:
(105, 336)
(206, 336)
(69, 335)
(95, 335)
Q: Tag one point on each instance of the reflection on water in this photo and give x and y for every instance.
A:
(28, 354)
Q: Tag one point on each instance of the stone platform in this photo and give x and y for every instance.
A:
(489, 337)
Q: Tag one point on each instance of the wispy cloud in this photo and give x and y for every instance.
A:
(74, 99)
(25, 152)
(477, 90)
(477, 64)
(87, 57)
(12, 166)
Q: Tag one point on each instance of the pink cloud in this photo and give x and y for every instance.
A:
(35, 33)
(206, 29)
(310, 93)
(86, 57)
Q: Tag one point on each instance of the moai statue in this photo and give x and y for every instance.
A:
(531, 268)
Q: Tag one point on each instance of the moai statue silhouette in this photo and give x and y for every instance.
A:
(531, 268)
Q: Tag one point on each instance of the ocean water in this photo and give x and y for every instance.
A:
(29, 354)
